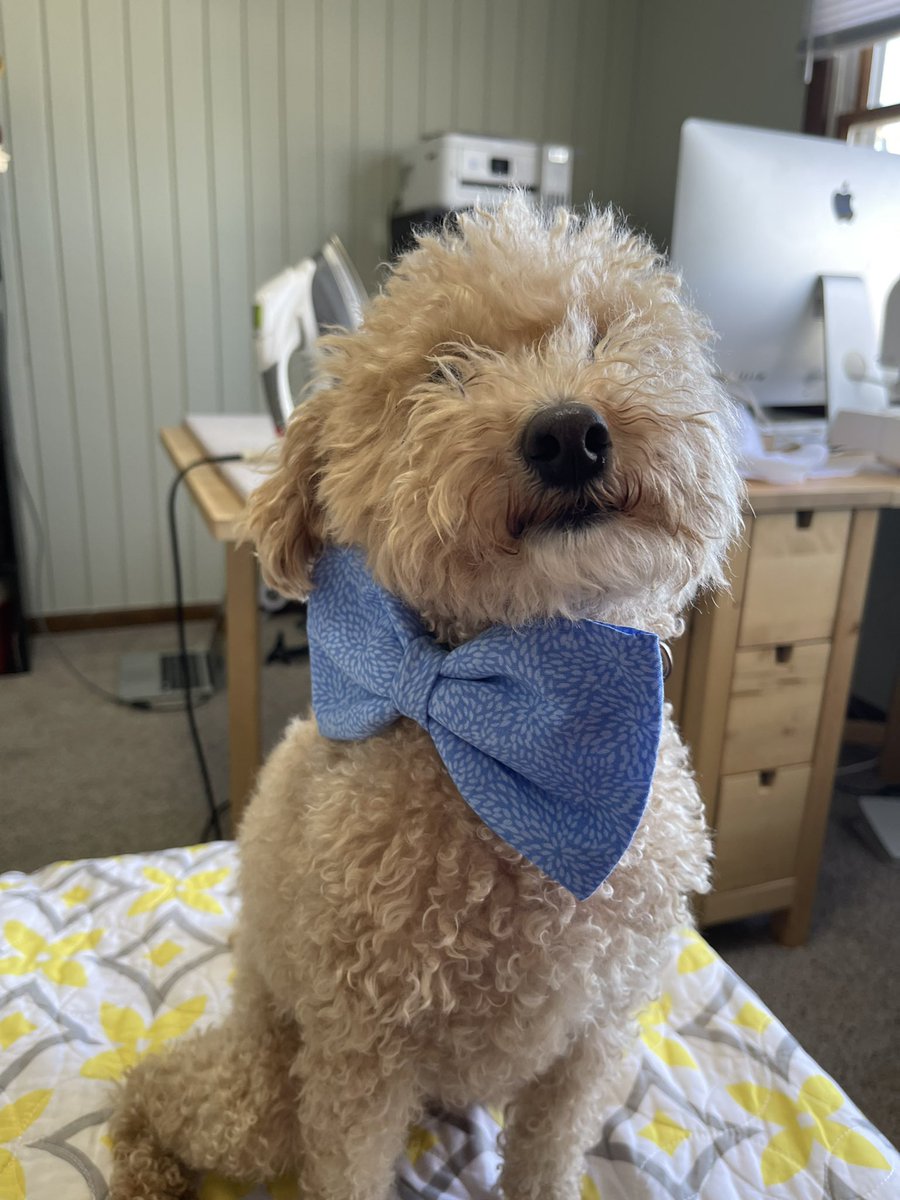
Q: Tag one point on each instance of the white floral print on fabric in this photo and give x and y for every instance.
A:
(718, 1101)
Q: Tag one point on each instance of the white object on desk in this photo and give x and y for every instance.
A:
(810, 461)
(877, 432)
(246, 433)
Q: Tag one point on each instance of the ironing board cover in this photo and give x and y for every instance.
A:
(103, 961)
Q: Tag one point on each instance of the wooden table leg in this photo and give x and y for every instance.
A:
(243, 668)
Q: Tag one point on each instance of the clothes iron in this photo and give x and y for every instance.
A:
(293, 309)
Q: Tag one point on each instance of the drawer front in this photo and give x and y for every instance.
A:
(793, 577)
(773, 710)
(758, 821)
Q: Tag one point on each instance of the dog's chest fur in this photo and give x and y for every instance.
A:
(374, 877)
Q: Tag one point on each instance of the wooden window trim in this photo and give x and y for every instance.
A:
(818, 99)
(864, 80)
(867, 116)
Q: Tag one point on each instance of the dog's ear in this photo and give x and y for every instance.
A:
(284, 516)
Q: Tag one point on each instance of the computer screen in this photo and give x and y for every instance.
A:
(759, 218)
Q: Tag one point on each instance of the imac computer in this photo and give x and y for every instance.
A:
(791, 246)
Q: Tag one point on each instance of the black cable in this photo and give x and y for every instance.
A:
(214, 824)
(208, 828)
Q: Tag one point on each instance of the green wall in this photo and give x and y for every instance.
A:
(729, 60)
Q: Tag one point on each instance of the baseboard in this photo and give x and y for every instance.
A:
(112, 618)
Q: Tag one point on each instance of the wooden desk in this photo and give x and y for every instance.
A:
(760, 682)
(761, 696)
(221, 508)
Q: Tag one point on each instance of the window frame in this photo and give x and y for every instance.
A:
(866, 116)
(837, 96)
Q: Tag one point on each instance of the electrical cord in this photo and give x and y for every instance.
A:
(215, 820)
(856, 768)
(214, 823)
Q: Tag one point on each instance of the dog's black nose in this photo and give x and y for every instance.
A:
(566, 446)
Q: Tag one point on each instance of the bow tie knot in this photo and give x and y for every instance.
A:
(416, 676)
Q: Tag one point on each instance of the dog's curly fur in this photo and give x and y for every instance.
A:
(391, 950)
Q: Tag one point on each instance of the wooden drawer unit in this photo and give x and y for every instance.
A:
(793, 577)
(773, 710)
(758, 820)
(763, 699)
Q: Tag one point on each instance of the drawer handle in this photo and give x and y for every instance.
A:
(804, 518)
(784, 654)
(767, 778)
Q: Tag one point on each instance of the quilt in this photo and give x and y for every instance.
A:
(103, 961)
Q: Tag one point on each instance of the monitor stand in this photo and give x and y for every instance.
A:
(859, 417)
(851, 355)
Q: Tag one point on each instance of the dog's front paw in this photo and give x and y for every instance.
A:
(152, 1179)
(142, 1169)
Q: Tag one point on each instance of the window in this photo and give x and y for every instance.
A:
(876, 122)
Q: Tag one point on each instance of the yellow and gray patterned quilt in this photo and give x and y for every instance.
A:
(103, 961)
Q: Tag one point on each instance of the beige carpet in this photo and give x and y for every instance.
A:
(81, 777)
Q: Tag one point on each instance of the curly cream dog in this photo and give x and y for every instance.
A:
(392, 950)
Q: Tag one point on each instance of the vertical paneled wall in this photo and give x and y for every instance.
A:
(171, 155)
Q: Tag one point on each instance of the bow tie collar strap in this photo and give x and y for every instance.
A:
(550, 731)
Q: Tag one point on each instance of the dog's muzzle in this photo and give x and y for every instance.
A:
(567, 446)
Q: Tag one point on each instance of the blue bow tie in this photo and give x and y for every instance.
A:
(550, 731)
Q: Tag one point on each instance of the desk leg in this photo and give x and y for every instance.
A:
(243, 667)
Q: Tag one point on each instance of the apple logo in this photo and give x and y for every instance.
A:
(842, 203)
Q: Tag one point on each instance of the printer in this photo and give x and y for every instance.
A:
(449, 172)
